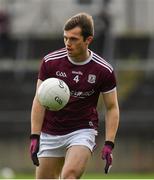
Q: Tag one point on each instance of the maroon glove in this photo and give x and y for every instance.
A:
(34, 148)
(107, 155)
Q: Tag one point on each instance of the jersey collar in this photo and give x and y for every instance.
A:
(84, 62)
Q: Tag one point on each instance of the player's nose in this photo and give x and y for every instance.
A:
(68, 43)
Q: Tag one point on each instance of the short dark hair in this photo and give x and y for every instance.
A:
(82, 20)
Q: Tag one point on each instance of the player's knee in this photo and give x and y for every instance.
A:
(70, 173)
(46, 175)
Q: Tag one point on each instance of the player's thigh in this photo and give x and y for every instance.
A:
(76, 160)
(49, 167)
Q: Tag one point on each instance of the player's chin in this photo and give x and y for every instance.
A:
(70, 54)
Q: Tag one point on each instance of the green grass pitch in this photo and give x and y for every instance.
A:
(99, 176)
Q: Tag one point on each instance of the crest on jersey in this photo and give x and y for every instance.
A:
(91, 78)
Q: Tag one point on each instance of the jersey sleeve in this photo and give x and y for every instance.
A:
(109, 82)
(43, 74)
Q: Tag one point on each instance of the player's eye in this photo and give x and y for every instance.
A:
(73, 39)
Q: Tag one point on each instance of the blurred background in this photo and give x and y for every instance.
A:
(124, 36)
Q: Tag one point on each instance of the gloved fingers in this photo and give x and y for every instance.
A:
(107, 168)
(35, 159)
(108, 165)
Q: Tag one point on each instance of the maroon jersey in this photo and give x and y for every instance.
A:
(86, 80)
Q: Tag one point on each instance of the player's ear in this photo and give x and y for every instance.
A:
(89, 40)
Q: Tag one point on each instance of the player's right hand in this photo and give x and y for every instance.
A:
(107, 155)
(34, 148)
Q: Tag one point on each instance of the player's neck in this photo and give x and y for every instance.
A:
(83, 57)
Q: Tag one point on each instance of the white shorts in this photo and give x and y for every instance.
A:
(56, 145)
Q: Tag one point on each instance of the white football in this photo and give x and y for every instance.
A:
(53, 94)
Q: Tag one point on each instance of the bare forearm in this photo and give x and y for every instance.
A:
(111, 123)
(37, 115)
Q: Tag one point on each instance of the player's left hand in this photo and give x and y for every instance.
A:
(34, 148)
(107, 155)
